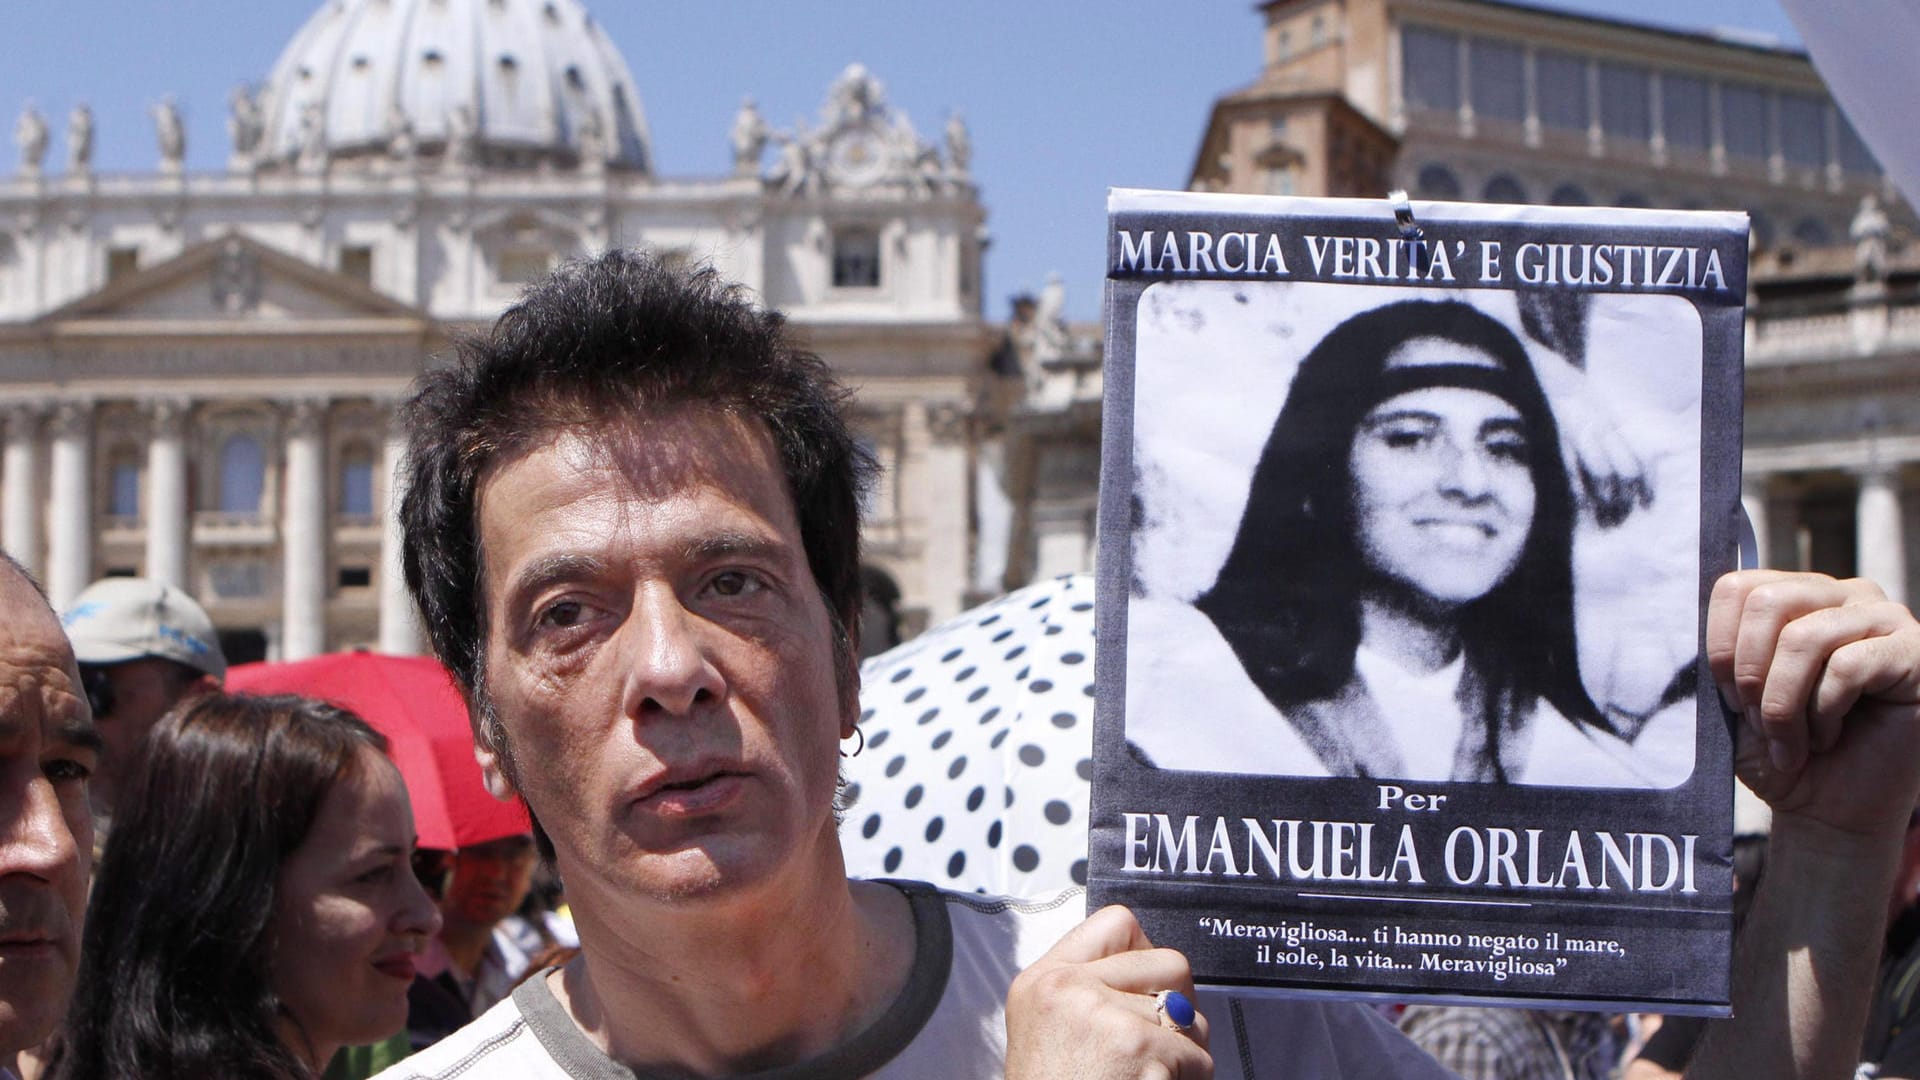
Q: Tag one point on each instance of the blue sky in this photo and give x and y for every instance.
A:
(1064, 98)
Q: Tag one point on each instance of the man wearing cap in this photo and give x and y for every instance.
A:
(143, 646)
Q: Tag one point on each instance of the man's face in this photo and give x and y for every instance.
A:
(661, 660)
(48, 748)
(142, 692)
(489, 881)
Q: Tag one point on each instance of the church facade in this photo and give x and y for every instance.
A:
(199, 372)
(1507, 102)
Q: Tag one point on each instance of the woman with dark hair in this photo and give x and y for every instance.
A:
(255, 908)
(1400, 587)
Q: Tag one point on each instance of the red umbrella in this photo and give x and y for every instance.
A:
(412, 701)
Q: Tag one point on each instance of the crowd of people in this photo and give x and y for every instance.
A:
(632, 520)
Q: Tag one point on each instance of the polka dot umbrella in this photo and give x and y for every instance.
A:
(979, 740)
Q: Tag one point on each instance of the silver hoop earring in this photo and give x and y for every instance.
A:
(863, 743)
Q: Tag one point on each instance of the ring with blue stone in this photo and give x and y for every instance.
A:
(1173, 1009)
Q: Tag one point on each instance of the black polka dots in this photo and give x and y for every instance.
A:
(984, 786)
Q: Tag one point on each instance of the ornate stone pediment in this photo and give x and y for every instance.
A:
(234, 280)
(862, 143)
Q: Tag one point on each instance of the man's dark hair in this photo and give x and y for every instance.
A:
(176, 968)
(603, 340)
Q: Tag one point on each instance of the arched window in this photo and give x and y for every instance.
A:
(1504, 189)
(243, 475)
(1812, 232)
(356, 482)
(1570, 195)
(1438, 182)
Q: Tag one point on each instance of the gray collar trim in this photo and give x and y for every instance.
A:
(861, 1055)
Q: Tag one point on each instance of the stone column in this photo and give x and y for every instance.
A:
(70, 532)
(1882, 551)
(20, 520)
(937, 435)
(303, 534)
(1753, 499)
(399, 619)
(166, 510)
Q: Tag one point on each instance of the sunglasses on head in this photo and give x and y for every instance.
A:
(99, 689)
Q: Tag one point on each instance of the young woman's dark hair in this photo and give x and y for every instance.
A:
(174, 979)
(1288, 598)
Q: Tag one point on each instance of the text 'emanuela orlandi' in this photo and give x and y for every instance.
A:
(1366, 852)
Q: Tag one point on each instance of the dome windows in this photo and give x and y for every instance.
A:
(520, 75)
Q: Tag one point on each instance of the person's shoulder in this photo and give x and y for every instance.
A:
(1326, 1040)
(1447, 1030)
(498, 1043)
(1010, 930)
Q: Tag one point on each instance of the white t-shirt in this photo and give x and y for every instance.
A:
(948, 1021)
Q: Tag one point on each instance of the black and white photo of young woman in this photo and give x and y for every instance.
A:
(1414, 534)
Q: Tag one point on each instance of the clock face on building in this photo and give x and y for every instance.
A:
(857, 158)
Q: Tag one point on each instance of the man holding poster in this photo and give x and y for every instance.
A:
(632, 519)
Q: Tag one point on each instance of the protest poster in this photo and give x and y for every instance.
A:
(1407, 532)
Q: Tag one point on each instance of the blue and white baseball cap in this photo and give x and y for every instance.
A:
(119, 619)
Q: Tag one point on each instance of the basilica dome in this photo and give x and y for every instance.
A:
(492, 82)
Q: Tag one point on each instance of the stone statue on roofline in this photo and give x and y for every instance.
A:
(959, 145)
(795, 172)
(1050, 337)
(462, 137)
(311, 155)
(749, 137)
(593, 143)
(1869, 232)
(171, 134)
(80, 139)
(856, 95)
(400, 143)
(244, 127)
(30, 135)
